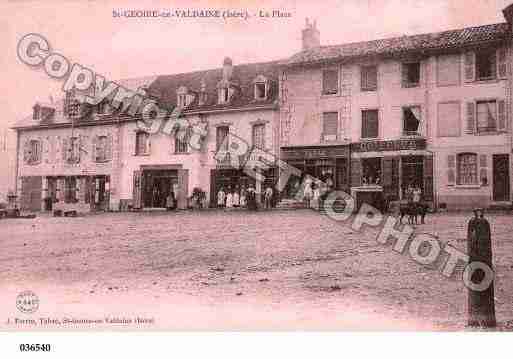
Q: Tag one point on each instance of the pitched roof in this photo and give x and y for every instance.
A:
(58, 118)
(444, 40)
(165, 86)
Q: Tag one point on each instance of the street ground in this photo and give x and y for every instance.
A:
(217, 270)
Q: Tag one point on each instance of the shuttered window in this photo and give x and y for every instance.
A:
(329, 126)
(486, 66)
(486, 116)
(370, 124)
(330, 82)
(258, 136)
(141, 143)
(411, 74)
(369, 78)
(467, 169)
(221, 138)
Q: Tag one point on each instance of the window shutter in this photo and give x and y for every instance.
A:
(470, 69)
(93, 148)
(451, 170)
(81, 183)
(61, 195)
(65, 149)
(502, 67)
(330, 123)
(483, 172)
(404, 75)
(501, 115)
(108, 148)
(26, 151)
(471, 117)
(356, 172)
(428, 178)
(387, 171)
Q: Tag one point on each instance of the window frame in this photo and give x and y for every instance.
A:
(146, 146)
(219, 144)
(102, 146)
(70, 192)
(73, 149)
(182, 144)
(363, 68)
(38, 146)
(324, 91)
(493, 65)
(408, 84)
(323, 134)
(475, 179)
(364, 110)
(403, 123)
(261, 83)
(476, 104)
(254, 127)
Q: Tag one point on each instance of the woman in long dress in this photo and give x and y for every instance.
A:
(236, 199)
(229, 200)
(221, 197)
(243, 197)
(308, 193)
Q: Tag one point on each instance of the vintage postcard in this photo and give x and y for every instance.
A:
(266, 165)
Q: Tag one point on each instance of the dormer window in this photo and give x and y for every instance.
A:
(37, 113)
(260, 91)
(202, 98)
(261, 88)
(224, 95)
(182, 100)
(182, 96)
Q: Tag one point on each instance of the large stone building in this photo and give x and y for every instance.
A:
(427, 110)
(103, 161)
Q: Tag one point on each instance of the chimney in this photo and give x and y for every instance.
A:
(311, 36)
(227, 68)
(508, 15)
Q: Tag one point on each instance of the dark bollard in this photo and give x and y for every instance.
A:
(481, 302)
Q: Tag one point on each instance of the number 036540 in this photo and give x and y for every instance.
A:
(35, 347)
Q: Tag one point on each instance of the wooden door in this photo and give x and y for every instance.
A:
(31, 193)
(183, 188)
(137, 189)
(501, 189)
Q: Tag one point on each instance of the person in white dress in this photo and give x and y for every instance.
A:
(308, 193)
(243, 197)
(316, 195)
(229, 200)
(236, 199)
(221, 197)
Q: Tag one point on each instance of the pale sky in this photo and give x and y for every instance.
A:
(87, 33)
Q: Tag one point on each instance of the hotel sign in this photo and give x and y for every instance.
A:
(392, 145)
(314, 152)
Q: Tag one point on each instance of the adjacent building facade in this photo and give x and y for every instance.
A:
(105, 161)
(429, 111)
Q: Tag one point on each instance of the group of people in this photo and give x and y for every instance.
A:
(245, 198)
(413, 194)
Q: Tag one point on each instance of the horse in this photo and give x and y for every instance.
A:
(413, 210)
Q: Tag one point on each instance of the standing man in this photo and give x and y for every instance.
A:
(268, 196)
(481, 301)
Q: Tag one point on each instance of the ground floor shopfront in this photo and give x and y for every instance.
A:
(373, 172)
(153, 184)
(328, 163)
(47, 193)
